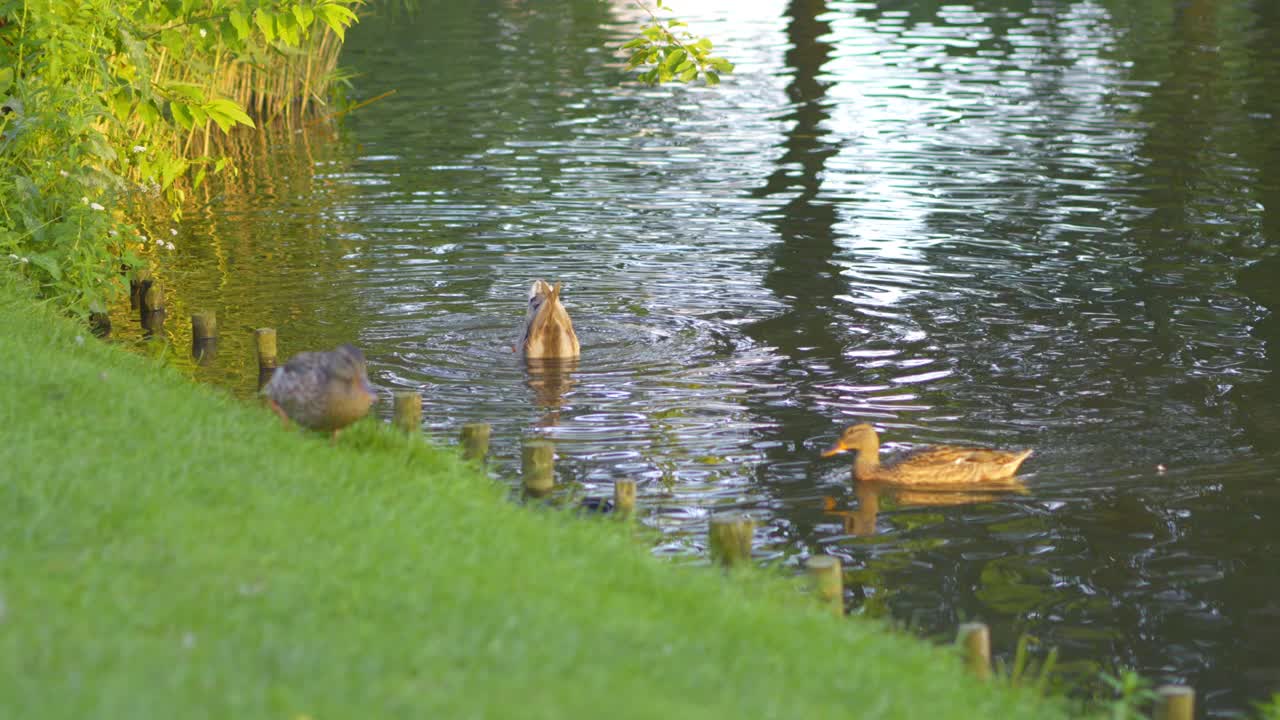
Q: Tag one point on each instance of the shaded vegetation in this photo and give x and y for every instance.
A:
(112, 113)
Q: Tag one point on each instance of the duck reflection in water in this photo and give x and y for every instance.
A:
(861, 521)
(551, 381)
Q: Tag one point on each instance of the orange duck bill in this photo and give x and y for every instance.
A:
(835, 449)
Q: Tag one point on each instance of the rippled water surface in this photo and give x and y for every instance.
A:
(1041, 223)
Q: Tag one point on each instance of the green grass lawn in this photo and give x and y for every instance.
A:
(169, 552)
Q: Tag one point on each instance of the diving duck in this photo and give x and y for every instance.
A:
(324, 391)
(548, 331)
(937, 466)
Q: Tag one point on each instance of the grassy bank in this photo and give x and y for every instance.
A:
(170, 552)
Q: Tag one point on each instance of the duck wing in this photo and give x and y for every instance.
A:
(954, 465)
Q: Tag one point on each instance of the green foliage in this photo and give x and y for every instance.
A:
(1026, 671)
(668, 53)
(1132, 693)
(1270, 709)
(110, 108)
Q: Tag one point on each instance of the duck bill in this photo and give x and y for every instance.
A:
(835, 450)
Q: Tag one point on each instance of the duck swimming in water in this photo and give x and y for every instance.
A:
(324, 391)
(937, 466)
(548, 331)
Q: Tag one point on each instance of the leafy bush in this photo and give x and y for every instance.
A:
(112, 109)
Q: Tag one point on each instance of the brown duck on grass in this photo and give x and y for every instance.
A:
(940, 466)
(548, 331)
(324, 391)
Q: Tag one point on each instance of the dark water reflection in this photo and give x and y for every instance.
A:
(1044, 223)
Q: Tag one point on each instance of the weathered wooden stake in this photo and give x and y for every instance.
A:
(624, 496)
(537, 466)
(1175, 702)
(975, 638)
(729, 537)
(204, 336)
(265, 341)
(475, 440)
(408, 410)
(204, 325)
(138, 284)
(827, 580)
(153, 298)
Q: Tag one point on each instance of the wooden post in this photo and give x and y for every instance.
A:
(624, 496)
(408, 410)
(152, 309)
(729, 537)
(975, 639)
(1175, 702)
(153, 298)
(204, 325)
(475, 441)
(827, 580)
(264, 339)
(204, 336)
(537, 466)
(138, 284)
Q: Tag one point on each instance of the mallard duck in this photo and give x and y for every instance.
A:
(940, 465)
(548, 331)
(324, 391)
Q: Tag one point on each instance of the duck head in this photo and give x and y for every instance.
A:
(861, 438)
(548, 331)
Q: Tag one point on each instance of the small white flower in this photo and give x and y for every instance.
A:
(139, 148)
(64, 173)
(160, 242)
(24, 260)
(84, 200)
(13, 257)
(79, 339)
(142, 239)
(173, 232)
(96, 206)
(203, 32)
(169, 246)
(113, 232)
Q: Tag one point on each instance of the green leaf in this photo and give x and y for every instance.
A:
(6, 78)
(685, 66)
(721, 64)
(46, 263)
(304, 15)
(337, 17)
(675, 58)
(637, 59)
(229, 109)
(266, 23)
(122, 104)
(199, 177)
(148, 113)
(703, 44)
(240, 22)
(637, 42)
(287, 30)
(712, 77)
(186, 91)
(181, 115)
(689, 73)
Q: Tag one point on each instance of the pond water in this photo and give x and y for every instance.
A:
(1025, 223)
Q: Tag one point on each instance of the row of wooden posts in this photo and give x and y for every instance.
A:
(729, 535)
